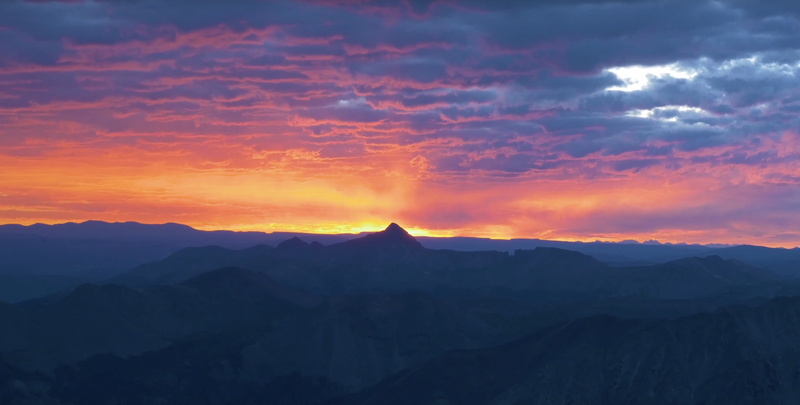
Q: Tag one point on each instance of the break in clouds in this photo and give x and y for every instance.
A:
(544, 118)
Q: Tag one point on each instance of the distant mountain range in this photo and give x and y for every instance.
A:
(383, 319)
(393, 261)
(39, 259)
(172, 236)
(177, 233)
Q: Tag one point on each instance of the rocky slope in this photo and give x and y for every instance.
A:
(118, 319)
(736, 355)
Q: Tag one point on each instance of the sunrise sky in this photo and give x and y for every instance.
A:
(572, 120)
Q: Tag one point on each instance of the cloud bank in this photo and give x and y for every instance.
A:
(673, 120)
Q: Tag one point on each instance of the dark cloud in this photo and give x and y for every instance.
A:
(562, 94)
(634, 164)
(480, 73)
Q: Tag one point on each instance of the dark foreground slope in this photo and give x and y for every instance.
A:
(356, 340)
(117, 319)
(341, 346)
(736, 355)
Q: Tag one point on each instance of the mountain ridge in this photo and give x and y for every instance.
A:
(99, 318)
(736, 355)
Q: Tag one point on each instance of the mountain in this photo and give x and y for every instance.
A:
(85, 259)
(735, 355)
(689, 278)
(781, 261)
(553, 272)
(344, 344)
(171, 234)
(21, 287)
(189, 262)
(37, 260)
(304, 323)
(394, 261)
(18, 387)
(393, 239)
(96, 251)
(354, 340)
(611, 253)
(117, 319)
(390, 260)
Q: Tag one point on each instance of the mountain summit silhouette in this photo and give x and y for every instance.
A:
(393, 237)
(396, 231)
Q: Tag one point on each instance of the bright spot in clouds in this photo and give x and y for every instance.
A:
(637, 78)
(566, 120)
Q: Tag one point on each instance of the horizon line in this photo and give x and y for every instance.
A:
(416, 232)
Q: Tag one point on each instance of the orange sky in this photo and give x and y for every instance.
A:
(291, 118)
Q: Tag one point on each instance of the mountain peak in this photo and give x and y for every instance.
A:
(292, 244)
(295, 246)
(394, 234)
(395, 229)
(392, 237)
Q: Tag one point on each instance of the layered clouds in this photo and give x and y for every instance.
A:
(675, 120)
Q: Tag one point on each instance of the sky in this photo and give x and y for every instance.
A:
(571, 120)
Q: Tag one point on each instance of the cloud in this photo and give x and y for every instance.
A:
(419, 101)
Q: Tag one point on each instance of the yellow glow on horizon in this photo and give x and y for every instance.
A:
(340, 200)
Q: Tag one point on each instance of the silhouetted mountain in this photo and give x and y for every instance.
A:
(206, 369)
(33, 255)
(688, 278)
(96, 251)
(543, 257)
(553, 269)
(737, 355)
(616, 253)
(344, 344)
(202, 329)
(393, 261)
(20, 287)
(117, 319)
(302, 323)
(390, 260)
(170, 234)
(18, 387)
(293, 245)
(544, 271)
(392, 238)
(781, 261)
(190, 262)
(354, 341)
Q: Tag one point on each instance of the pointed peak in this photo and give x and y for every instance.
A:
(396, 233)
(293, 243)
(397, 230)
(394, 228)
(393, 235)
